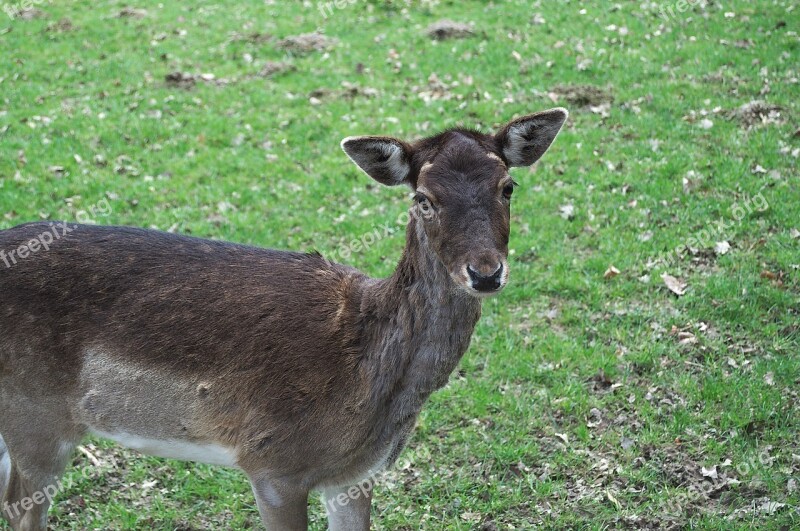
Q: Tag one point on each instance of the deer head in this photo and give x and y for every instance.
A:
(462, 189)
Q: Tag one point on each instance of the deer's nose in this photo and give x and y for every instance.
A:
(483, 280)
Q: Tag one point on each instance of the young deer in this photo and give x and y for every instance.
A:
(304, 374)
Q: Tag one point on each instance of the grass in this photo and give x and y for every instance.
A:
(584, 402)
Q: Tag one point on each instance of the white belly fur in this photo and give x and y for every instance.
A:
(146, 409)
(212, 454)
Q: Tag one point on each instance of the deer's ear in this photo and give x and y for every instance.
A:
(526, 139)
(385, 159)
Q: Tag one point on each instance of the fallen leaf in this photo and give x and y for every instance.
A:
(595, 418)
(678, 287)
(705, 123)
(686, 338)
(769, 378)
(768, 275)
(149, 484)
(603, 110)
(770, 507)
(709, 472)
(721, 248)
(611, 272)
(471, 517)
(795, 234)
(567, 211)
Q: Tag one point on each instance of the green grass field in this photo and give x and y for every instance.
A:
(588, 400)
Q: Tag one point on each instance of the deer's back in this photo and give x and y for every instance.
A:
(241, 330)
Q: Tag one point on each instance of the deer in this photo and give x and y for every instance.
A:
(306, 375)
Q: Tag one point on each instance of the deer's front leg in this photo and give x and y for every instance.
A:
(283, 506)
(348, 507)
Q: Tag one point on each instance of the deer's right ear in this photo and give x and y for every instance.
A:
(385, 159)
(526, 139)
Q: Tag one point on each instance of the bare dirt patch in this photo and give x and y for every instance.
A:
(273, 68)
(757, 112)
(348, 91)
(307, 43)
(29, 13)
(186, 80)
(62, 26)
(448, 29)
(132, 12)
(582, 95)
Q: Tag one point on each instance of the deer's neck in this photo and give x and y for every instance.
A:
(419, 326)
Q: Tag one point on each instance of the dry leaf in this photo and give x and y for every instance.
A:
(611, 272)
(770, 507)
(471, 517)
(721, 248)
(686, 338)
(769, 378)
(595, 418)
(149, 484)
(795, 234)
(678, 287)
(709, 472)
(567, 211)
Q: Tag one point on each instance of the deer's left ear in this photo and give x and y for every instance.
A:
(385, 159)
(526, 139)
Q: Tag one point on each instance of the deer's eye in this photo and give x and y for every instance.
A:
(424, 203)
(508, 190)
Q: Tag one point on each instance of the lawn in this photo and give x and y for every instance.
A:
(598, 392)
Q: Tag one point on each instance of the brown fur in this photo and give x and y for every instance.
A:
(312, 372)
